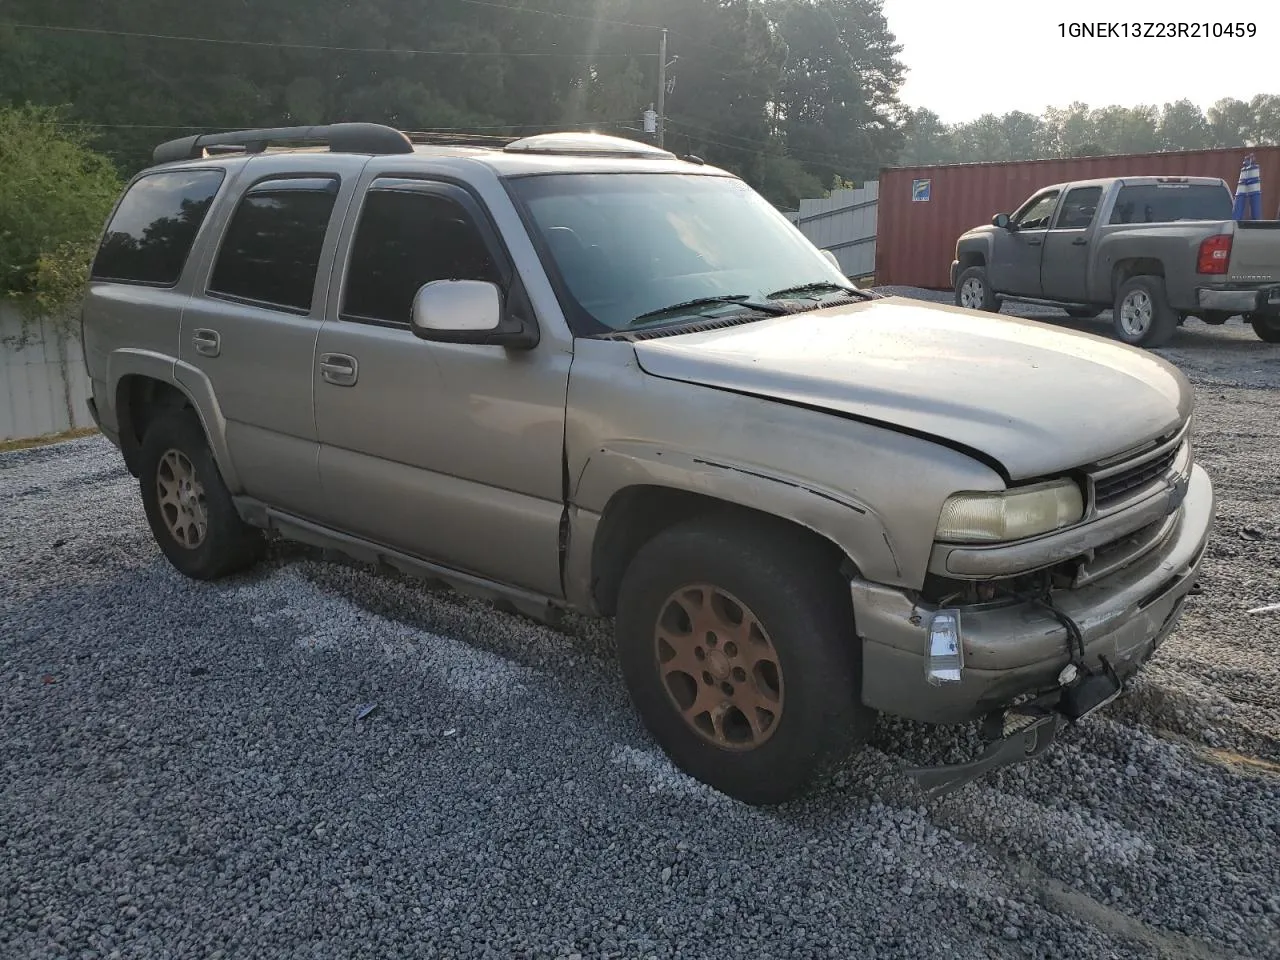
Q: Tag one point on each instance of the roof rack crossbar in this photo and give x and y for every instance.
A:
(375, 138)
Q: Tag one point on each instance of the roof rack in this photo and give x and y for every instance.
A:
(445, 139)
(373, 138)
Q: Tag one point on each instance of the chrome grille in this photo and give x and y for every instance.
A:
(1113, 489)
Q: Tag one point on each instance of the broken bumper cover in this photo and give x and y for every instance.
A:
(1017, 650)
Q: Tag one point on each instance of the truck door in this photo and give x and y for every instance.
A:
(1064, 270)
(448, 452)
(1016, 252)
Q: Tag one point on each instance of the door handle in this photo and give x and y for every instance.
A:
(208, 343)
(1079, 242)
(1034, 243)
(339, 369)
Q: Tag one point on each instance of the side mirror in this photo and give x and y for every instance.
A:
(832, 259)
(1000, 220)
(467, 311)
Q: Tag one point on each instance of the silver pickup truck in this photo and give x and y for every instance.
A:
(580, 373)
(1155, 250)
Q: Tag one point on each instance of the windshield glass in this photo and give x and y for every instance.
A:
(629, 246)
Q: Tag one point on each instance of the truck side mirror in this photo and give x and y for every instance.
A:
(467, 311)
(1000, 220)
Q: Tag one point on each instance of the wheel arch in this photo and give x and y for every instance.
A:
(145, 385)
(1125, 270)
(623, 501)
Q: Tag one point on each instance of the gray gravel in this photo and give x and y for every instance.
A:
(182, 775)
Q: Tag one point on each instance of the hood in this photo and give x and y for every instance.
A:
(1031, 397)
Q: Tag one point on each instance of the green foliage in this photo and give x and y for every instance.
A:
(1079, 131)
(55, 193)
(788, 93)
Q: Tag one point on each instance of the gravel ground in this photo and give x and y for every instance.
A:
(182, 774)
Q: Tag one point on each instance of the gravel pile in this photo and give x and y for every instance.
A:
(183, 773)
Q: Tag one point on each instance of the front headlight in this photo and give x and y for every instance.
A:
(1010, 515)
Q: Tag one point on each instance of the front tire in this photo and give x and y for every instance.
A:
(1267, 328)
(737, 646)
(1142, 315)
(973, 291)
(188, 506)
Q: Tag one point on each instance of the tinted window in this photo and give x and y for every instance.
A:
(1036, 215)
(271, 250)
(1079, 207)
(150, 236)
(405, 240)
(1167, 202)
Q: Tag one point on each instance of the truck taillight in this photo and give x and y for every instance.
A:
(1215, 254)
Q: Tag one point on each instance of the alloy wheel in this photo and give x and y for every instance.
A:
(719, 668)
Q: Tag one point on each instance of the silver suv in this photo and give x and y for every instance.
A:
(576, 372)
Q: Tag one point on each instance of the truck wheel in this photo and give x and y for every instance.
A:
(1142, 315)
(973, 292)
(188, 506)
(739, 651)
(1082, 313)
(1267, 328)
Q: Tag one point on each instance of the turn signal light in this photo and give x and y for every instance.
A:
(945, 660)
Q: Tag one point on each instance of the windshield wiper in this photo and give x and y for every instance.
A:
(736, 299)
(821, 285)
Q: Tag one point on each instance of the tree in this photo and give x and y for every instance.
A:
(837, 105)
(1231, 122)
(55, 194)
(926, 139)
(1183, 127)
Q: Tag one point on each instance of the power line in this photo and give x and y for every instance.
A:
(742, 148)
(558, 15)
(217, 129)
(814, 157)
(280, 45)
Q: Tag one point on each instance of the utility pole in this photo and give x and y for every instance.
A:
(662, 88)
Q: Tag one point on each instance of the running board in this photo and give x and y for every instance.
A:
(513, 599)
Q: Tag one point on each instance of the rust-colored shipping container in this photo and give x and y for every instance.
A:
(916, 238)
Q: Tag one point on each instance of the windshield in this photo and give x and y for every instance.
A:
(1168, 202)
(630, 246)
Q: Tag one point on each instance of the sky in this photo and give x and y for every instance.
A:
(994, 56)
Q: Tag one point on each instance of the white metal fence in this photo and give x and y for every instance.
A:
(43, 385)
(845, 224)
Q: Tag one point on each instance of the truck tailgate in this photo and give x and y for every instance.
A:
(1255, 252)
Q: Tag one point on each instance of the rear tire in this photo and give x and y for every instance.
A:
(762, 618)
(1267, 328)
(1142, 315)
(973, 292)
(187, 504)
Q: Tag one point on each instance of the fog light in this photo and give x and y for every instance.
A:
(946, 654)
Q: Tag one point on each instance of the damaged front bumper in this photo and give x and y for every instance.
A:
(1014, 654)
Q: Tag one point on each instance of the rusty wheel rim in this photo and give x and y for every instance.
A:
(719, 668)
(182, 501)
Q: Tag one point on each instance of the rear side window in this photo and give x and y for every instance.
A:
(151, 234)
(271, 249)
(1168, 202)
(406, 240)
(1078, 208)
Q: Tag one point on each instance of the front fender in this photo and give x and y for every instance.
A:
(614, 467)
